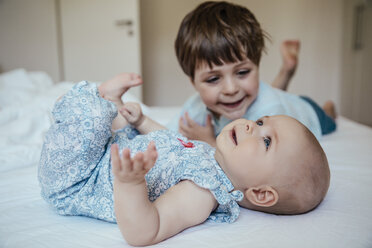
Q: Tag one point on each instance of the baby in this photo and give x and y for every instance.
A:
(163, 183)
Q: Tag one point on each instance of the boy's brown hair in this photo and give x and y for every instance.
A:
(217, 33)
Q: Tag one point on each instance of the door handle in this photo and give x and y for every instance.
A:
(124, 22)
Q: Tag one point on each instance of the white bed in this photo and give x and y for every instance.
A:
(344, 219)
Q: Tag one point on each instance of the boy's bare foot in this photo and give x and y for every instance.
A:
(329, 109)
(289, 50)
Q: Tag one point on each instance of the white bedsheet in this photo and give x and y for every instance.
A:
(344, 219)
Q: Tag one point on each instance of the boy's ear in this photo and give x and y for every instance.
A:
(263, 196)
(192, 81)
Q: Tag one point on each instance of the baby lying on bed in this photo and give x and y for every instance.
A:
(169, 183)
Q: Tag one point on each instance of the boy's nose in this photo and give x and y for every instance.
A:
(230, 87)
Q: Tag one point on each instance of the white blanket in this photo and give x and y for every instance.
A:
(344, 219)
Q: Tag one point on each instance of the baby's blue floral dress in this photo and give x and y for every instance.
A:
(75, 170)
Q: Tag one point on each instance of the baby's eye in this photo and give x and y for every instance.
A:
(212, 79)
(259, 122)
(267, 141)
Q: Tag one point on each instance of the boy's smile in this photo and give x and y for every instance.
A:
(234, 105)
(227, 89)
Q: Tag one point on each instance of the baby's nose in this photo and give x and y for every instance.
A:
(249, 126)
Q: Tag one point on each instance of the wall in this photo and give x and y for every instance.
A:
(29, 36)
(30, 41)
(356, 89)
(164, 82)
(317, 23)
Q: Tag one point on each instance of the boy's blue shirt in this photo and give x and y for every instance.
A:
(269, 101)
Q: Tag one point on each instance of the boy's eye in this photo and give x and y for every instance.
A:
(259, 122)
(267, 141)
(243, 72)
(212, 79)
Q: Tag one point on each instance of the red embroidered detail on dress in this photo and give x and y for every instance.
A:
(187, 145)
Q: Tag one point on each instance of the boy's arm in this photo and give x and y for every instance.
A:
(192, 130)
(143, 222)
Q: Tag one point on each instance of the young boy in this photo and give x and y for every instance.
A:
(219, 47)
(172, 183)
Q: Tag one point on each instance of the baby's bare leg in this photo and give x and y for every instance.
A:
(113, 89)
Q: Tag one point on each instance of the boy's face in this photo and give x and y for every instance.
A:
(229, 89)
(258, 153)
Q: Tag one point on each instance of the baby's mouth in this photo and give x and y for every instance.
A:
(233, 104)
(233, 136)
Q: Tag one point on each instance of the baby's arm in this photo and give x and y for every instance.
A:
(133, 114)
(113, 89)
(192, 130)
(143, 222)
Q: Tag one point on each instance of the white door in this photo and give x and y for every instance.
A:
(99, 39)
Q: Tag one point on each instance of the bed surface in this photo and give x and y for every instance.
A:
(344, 219)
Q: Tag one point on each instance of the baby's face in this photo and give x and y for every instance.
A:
(258, 153)
(229, 89)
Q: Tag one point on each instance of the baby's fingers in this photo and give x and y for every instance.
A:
(123, 165)
(125, 113)
(115, 159)
(138, 163)
(150, 155)
(126, 162)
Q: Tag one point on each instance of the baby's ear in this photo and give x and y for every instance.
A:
(263, 196)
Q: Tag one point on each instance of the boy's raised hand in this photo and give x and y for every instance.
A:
(114, 88)
(132, 170)
(192, 130)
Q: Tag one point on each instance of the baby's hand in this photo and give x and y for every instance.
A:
(132, 112)
(114, 88)
(132, 170)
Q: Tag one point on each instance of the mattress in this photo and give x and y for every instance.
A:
(343, 219)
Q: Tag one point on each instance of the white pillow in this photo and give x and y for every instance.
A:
(14, 80)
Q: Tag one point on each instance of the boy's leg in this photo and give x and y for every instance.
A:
(289, 50)
(329, 109)
(327, 122)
